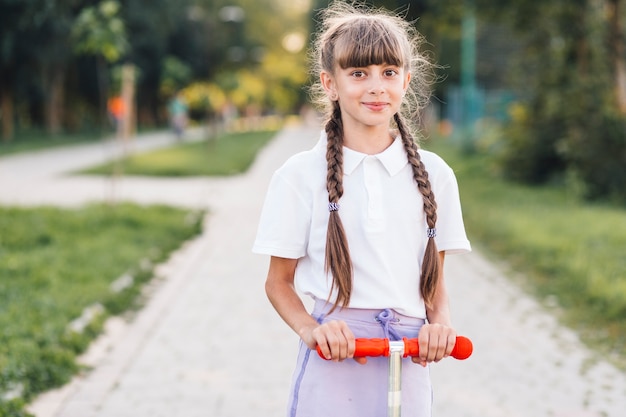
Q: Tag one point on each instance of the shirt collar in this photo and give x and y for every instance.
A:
(393, 158)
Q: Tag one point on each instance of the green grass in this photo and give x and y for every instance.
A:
(53, 264)
(30, 140)
(227, 155)
(37, 140)
(565, 249)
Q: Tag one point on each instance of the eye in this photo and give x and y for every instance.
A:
(358, 74)
(391, 72)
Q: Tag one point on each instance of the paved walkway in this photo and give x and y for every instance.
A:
(209, 344)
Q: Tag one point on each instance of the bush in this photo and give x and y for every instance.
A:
(596, 153)
(529, 154)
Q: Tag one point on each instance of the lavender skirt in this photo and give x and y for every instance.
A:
(323, 388)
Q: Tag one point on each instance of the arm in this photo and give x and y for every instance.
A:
(437, 337)
(334, 338)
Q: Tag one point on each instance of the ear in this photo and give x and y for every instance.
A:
(328, 83)
(407, 80)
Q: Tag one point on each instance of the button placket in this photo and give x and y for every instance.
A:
(373, 185)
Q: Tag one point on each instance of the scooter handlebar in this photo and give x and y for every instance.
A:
(381, 347)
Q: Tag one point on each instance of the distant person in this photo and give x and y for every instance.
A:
(177, 109)
(362, 223)
(116, 109)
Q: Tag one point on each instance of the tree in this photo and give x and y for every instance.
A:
(617, 50)
(19, 22)
(99, 31)
(572, 72)
(9, 36)
(53, 57)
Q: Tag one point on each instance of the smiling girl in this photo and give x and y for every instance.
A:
(362, 223)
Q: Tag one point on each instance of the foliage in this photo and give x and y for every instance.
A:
(100, 31)
(595, 150)
(55, 263)
(56, 58)
(227, 155)
(531, 157)
(572, 124)
(204, 98)
(270, 73)
(565, 249)
(176, 75)
(568, 71)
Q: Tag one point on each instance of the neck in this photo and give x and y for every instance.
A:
(370, 140)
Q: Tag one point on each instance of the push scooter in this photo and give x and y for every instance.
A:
(396, 350)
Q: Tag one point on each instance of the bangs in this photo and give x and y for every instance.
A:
(369, 42)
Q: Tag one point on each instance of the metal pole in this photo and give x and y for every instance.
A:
(394, 400)
(468, 71)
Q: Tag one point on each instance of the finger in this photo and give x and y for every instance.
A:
(333, 345)
(350, 341)
(419, 361)
(335, 333)
(362, 360)
(423, 342)
(439, 348)
(450, 344)
(323, 340)
(446, 341)
(324, 348)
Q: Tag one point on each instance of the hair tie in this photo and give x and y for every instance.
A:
(431, 232)
(333, 206)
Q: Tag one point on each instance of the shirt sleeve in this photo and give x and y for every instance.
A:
(285, 221)
(451, 236)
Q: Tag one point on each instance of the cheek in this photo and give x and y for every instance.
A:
(348, 89)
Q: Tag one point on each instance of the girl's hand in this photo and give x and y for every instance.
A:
(436, 342)
(334, 338)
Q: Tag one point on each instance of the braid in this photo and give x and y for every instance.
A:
(430, 264)
(337, 261)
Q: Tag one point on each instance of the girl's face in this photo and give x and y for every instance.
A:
(368, 96)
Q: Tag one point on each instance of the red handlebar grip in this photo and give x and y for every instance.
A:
(371, 347)
(380, 347)
(411, 347)
(462, 349)
(367, 347)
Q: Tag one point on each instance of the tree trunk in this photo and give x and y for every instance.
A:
(103, 93)
(617, 51)
(54, 82)
(6, 112)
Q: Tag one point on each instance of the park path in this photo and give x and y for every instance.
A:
(208, 343)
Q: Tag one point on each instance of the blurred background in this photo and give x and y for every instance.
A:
(530, 111)
(541, 84)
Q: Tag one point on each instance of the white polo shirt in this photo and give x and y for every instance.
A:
(382, 213)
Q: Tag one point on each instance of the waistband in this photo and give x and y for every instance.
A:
(321, 309)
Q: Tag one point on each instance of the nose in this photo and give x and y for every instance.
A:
(376, 86)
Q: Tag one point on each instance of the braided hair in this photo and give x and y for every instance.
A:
(353, 36)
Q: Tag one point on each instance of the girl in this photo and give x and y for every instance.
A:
(354, 224)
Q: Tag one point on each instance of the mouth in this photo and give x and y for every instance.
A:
(375, 105)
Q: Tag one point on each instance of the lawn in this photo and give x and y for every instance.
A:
(228, 154)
